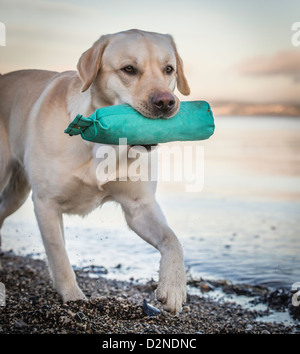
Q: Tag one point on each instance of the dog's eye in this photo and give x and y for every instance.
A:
(169, 69)
(129, 69)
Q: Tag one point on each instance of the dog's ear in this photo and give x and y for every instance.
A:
(182, 83)
(90, 61)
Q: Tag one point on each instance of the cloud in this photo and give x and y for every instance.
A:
(286, 63)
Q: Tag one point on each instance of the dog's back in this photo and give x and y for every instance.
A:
(18, 92)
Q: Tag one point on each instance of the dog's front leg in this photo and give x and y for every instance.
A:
(50, 224)
(147, 220)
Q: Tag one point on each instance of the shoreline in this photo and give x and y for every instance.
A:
(115, 307)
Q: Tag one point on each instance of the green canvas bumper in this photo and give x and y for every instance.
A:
(107, 125)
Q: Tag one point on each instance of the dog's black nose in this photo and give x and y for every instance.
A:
(163, 102)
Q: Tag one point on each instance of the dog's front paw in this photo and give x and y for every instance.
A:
(171, 290)
(72, 294)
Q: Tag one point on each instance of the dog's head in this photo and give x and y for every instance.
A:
(135, 67)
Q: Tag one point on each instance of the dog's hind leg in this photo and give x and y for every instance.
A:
(15, 192)
(5, 167)
(14, 187)
(5, 157)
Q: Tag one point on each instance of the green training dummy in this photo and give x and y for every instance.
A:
(194, 121)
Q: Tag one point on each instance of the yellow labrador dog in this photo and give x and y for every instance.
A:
(135, 67)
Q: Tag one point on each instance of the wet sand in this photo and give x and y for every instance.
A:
(113, 307)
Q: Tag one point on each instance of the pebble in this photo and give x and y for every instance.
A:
(65, 319)
(20, 323)
(80, 316)
(205, 287)
(249, 328)
(149, 309)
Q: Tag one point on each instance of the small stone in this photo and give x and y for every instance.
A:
(249, 327)
(80, 316)
(149, 309)
(65, 319)
(72, 314)
(205, 287)
(20, 323)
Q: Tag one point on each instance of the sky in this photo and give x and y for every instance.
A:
(232, 50)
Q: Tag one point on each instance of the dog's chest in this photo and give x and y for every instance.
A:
(80, 198)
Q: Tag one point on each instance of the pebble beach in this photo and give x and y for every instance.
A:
(113, 307)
